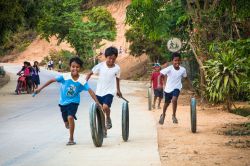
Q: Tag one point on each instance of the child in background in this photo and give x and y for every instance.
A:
(157, 82)
(174, 74)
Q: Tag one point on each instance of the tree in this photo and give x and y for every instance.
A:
(83, 30)
(200, 23)
(11, 15)
(154, 23)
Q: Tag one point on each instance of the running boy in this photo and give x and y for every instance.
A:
(174, 73)
(157, 81)
(108, 83)
(72, 84)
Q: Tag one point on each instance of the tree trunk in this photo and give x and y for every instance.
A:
(229, 103)
(201, 68)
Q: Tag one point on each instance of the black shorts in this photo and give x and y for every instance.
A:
(169, 96)
(158, 92)
(107, 99)
(69, 110)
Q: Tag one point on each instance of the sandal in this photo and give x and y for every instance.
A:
(174, 119)
(71, 143)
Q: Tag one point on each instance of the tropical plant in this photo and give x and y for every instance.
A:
(225, 73)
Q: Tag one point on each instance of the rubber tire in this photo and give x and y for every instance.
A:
(125, 121)
(149, 99)
(193, 115)
(96, 118)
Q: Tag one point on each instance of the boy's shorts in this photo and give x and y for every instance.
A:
(158, 92)
(69, 110)
(169, 96)
(107, 99)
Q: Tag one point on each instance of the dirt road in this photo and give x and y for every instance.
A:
(208, 147)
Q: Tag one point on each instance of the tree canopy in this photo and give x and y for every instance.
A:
(154, 22)
(83, 30)
(201, 25)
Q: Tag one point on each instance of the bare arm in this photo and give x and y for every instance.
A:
(45, 85)
(92, 94)
(18, 73)
(164, 78)
(119, 94)
(89, 75)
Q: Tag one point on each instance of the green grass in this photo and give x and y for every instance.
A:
(241, 111)
(238, 129)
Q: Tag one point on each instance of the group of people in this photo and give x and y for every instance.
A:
(72, 84)
(31, 74)
(50, 64)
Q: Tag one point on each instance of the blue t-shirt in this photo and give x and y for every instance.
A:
(70, 89)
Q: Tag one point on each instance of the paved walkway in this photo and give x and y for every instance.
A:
(32, 131)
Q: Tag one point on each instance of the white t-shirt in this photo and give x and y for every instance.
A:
(173, 77)
(107, 78)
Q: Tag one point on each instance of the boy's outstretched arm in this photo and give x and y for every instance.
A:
(45, 85)
(119, 93)
(92, 94)
(89, 75)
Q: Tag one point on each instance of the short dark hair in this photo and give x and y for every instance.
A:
(76, 60)
(111, 51)
(176, 54)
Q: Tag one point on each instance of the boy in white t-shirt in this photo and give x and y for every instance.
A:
(108, 83)
(174, 74)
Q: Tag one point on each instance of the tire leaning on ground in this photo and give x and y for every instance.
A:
(193, 115)
(149, 99)
(97, 125)
(125, 121)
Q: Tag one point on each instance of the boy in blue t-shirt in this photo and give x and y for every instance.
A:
(72, 84)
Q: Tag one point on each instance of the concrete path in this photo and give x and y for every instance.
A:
(32, 132)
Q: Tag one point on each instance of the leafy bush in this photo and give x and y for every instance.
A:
(242, 111)
(227, 74)
(17, 42)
